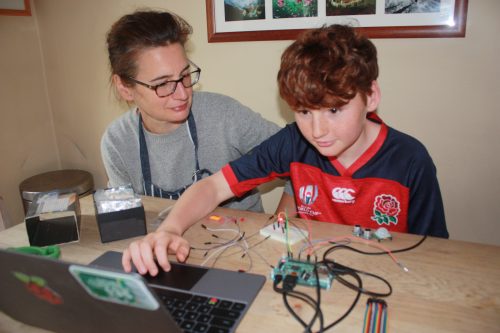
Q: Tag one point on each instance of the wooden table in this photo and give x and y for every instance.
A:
(451, 286)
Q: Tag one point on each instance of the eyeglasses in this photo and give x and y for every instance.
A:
(167, 88)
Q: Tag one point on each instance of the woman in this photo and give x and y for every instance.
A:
(172, 136)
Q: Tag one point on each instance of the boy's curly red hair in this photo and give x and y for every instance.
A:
(327, 67)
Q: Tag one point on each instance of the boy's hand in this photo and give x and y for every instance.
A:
(157, 244)
(200, 199)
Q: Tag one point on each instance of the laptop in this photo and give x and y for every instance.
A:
(63, 297)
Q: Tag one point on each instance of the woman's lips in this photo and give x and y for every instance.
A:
(179, 108)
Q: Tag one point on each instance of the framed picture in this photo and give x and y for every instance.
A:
(15, 7)
(257, 20)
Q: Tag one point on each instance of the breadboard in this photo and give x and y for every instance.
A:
(294, 234)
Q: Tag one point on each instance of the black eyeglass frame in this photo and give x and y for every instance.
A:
(179, 80)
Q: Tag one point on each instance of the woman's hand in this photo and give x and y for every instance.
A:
(158, 244)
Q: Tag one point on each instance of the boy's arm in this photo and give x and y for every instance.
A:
(287, 204)
(199, 200)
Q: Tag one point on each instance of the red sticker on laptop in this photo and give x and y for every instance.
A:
(115, 287)
(38, 287)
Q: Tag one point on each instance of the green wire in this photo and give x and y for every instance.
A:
(286, 233)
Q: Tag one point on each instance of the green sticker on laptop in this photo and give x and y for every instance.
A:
(115, 287)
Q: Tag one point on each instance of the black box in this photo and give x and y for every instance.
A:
(121, 224)
(53, 218)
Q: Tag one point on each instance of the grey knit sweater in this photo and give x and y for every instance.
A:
(226, 130)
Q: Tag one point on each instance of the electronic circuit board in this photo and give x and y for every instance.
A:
(304, 270)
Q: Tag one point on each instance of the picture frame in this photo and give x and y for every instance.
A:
(15, 7)
(227, 24)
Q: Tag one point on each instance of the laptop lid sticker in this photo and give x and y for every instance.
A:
(115, 287)
(39, 288)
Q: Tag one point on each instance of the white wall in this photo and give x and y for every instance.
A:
(27, 142)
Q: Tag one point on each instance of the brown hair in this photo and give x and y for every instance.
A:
(140, 30)
(327, 67)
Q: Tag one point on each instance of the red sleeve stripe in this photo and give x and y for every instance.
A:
(240, 188)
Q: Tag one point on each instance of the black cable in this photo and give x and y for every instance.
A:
(289, 284)
(342, 246)
(318, 313)
(311, 302)
(291, 310)
(411, 247)
(356, 299)
(339, 270)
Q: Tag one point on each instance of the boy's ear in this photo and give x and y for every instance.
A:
(124, 91)
(373, 100)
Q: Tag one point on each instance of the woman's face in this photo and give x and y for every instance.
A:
(155, 66)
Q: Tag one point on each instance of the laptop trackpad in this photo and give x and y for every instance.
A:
(229, 284)
(180, 277)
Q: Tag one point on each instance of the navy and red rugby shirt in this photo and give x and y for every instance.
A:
(392, 185)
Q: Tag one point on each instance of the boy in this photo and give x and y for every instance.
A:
(345, 164)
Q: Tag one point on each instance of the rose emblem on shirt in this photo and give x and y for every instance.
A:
(386, 209)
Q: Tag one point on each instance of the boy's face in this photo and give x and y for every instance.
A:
(340, 132)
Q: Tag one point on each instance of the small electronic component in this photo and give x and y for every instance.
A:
(381, 234)
(367, 233)
(304, 271)
(356, 231)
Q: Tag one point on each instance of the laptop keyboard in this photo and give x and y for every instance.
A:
(197, 314)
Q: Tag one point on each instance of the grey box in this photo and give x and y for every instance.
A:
(121, 224)
(53, 218)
